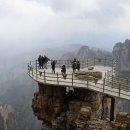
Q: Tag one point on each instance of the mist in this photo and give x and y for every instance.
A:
(29, 25)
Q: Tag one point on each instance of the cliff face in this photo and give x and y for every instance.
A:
(121, 53)
(122, 121)
(79, 109)
(7, 119)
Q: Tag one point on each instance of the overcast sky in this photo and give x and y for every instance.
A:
(31, 24)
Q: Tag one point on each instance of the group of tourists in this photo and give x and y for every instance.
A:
(42, 60)
(75, 65)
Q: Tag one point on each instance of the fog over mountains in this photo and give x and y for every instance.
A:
(17, 89)
(52, 27)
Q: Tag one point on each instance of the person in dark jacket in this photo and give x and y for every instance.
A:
(63, 71)
(78, 65)
(74, 65)
(43, 61)
(40, 61)
(46, 60)
(53, 66)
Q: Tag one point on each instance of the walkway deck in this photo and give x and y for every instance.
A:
(107, 85)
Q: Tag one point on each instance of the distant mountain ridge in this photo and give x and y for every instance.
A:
(19, 88)
(16, 88)
(85, 52)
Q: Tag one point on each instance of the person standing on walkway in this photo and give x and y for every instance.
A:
(78, 65)
(43, 62)
(63, 71)
(74, 65)
(40, 61)
(46, 60)
(53, 63)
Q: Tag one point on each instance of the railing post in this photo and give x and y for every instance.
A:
(105, 75)
(103, 84)
(44, 77)
(72, 79)
(57, 78)
(36, 69)
(119, 90)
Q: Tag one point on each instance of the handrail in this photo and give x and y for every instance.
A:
(107, 85)
(103, 85)
(84, 63)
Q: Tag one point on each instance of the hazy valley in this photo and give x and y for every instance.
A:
(17, 89)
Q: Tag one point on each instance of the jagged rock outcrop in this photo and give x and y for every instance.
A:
(78, 109)
(86, 52)
(7, 119)
(121, 53)
(122, 122)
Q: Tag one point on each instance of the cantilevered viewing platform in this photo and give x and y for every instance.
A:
(108, 84)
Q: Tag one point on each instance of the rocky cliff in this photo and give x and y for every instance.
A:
(7, 119)
(77, 109)
(122, 121)
(121, 53)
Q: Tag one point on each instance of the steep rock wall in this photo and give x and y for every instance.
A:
(121, 53)
(77, 109)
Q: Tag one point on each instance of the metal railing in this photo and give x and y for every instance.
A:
(84, 63)
(108, 84)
